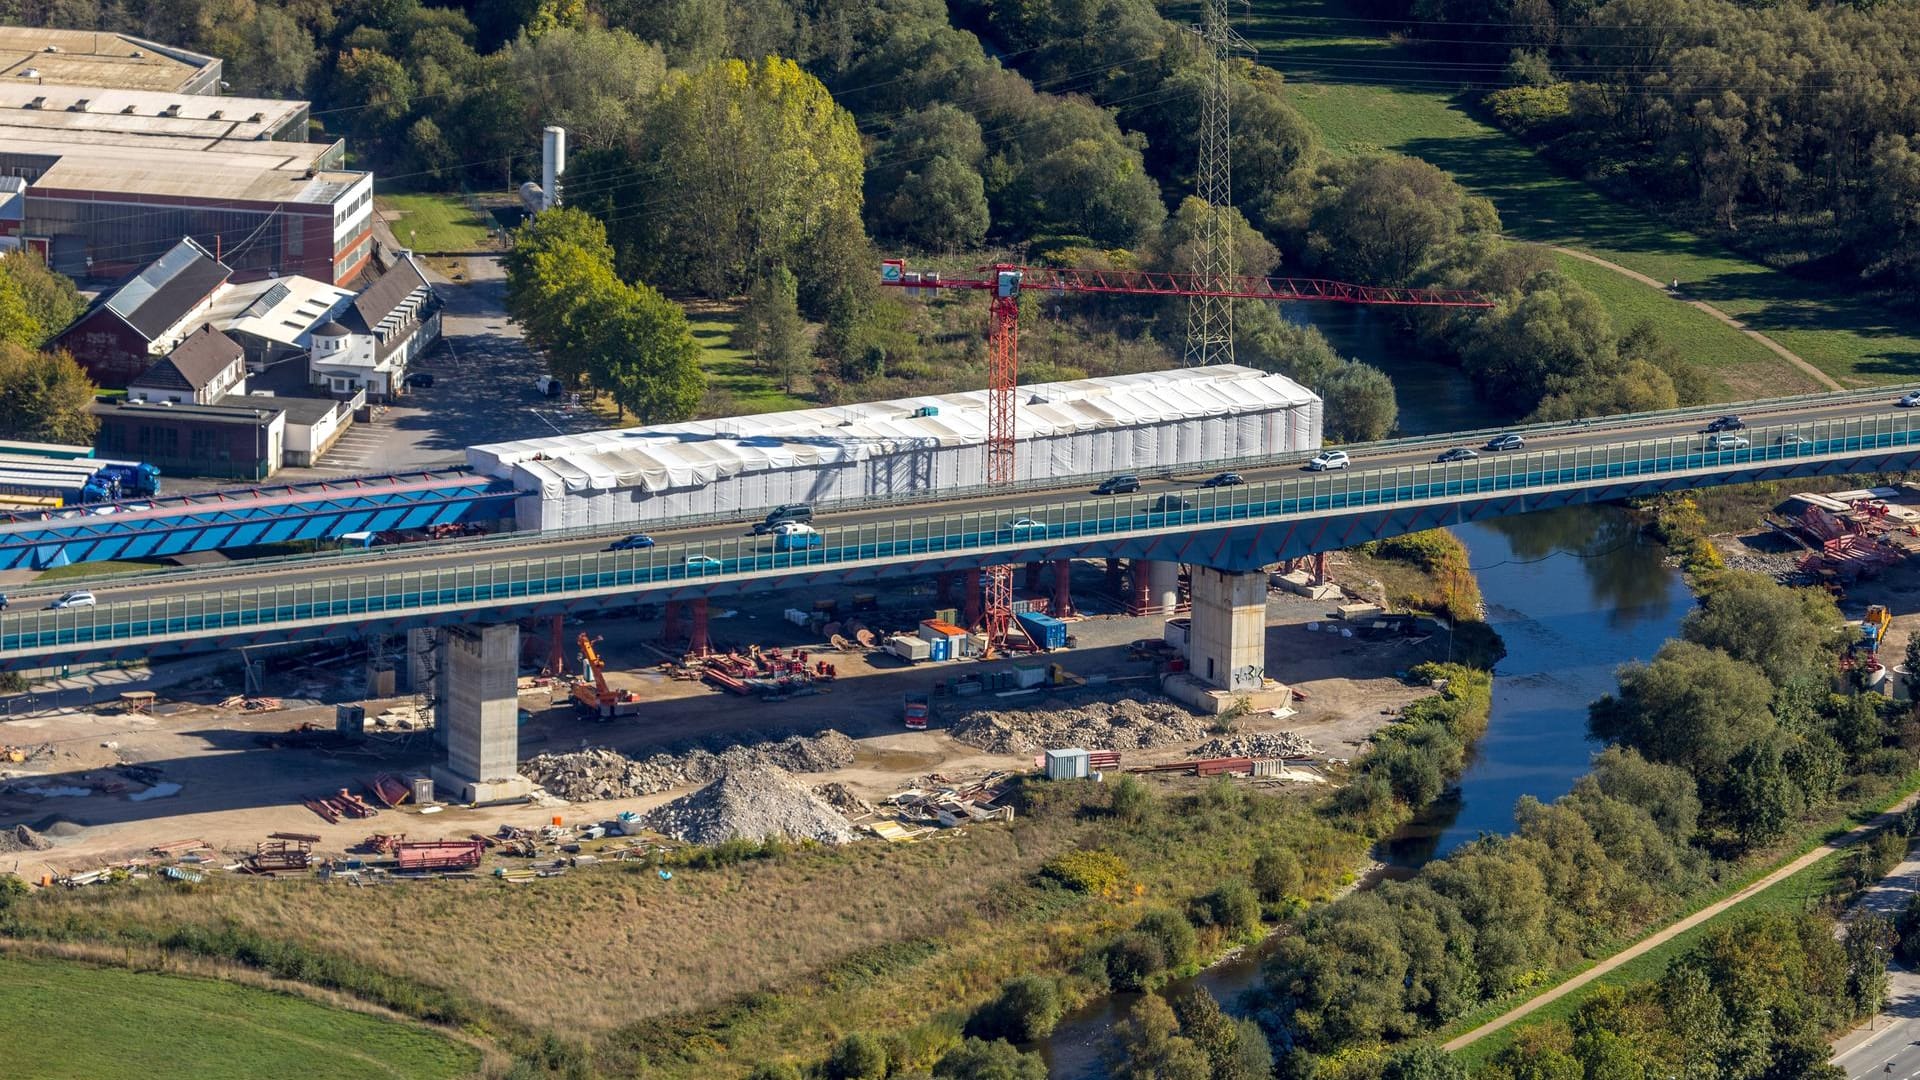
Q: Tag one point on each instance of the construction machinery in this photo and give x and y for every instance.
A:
(1873, 628)
(597, 698)
(913, 710)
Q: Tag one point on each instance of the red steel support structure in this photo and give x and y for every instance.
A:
(1007, 280)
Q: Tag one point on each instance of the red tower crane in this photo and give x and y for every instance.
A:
(1006, 281)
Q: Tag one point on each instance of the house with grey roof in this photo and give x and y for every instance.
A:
(120, 337)
(370, 343)
(198, 371)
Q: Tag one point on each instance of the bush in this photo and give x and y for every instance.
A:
(859, 1056)
(1906, 948)
(1277, 874)
(1027, 1009)
(1527, 110)
(978, 1059)
(1133, 959)
(1097, 872)
(1232, 906)
(1132, 801)
(778, 1070)
(1173, 932)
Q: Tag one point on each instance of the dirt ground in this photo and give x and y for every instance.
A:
(233, 791)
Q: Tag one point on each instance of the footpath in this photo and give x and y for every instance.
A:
(1668, 933)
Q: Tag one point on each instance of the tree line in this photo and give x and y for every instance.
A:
(1788, 127)
(1714, 748)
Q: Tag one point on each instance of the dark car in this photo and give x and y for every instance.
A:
(1459, 453)
(3, 603)
(1506, 442)
(1169, 504)
(1225, 479)
(1727, 423)
(635, 542)
(799, 512)
(420, 378)
(1118, 485)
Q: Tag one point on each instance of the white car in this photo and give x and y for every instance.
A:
(1910, 401)
(1727, 442)
(702, 563)
(793, 528)
(1020, 525)
(72, 600)
(1329, 459)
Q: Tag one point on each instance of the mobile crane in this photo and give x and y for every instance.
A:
(597, 698)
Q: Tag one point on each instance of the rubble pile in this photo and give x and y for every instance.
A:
(841, 798)
(754, 803)
(1130, 721)
(600, 773)
(1259, 744)
(21, 838)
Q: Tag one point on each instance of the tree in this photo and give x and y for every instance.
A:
(1382, 219)
(1232, 906)
(45, 397)
(17, 325)
(1869, 939)
(1360, 403)
(1759, 796)
(595, 83)
(1423, 1061)
(924, 184)
(1172, 932)
(1692, 706)
(1786, 632)
(1555, 339)
(778, 1070)
(1025, 1011)
(978, 1059)
(1665, 792)
(859, 1056)
(1179, 247)
(1148, 1046)
(644, 355)
(771, 327)
(1277, 874)
(1133, 959)
(1132, 800)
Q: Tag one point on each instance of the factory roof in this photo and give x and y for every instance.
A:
(25, 104)
(181, 167)
(159, 296)
(281, 310)
(90, 58)
(701, 451)
(193, 363)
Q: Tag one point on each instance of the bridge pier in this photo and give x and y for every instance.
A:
(477, 713)
(697, 643)
(1062, 588)
(1227, 645)
(1155, 587)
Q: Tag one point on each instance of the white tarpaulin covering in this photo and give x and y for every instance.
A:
(1153, 420)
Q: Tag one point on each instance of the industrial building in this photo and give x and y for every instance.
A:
(36, 56)
(118, 339)
(1153, 420)
(374, 338)
(274, 318)
(199, 371)
(33, 107)
(234, 441)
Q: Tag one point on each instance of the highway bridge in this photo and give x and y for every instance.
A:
(1281, 511)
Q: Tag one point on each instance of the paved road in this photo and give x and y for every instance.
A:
(1673, 930)
(1893, 1037)
(516, 546)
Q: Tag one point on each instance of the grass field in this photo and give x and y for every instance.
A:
(434, 222)
(71, 1020)
(1362, 91)
(733, 382)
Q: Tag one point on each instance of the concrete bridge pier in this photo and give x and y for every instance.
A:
(1062, 588)
(477, 713)
(697, 642)
(1227, 646)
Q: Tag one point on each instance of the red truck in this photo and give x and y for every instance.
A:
(913, 710)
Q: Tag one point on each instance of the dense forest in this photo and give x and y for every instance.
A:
(1789, 127)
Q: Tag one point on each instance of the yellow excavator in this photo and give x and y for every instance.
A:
(597, 698)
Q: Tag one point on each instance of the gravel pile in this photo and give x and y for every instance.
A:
(600, 773)
(1130, 721)
(751, 804)
(1260, 744)
(841, 798)
(21, 838)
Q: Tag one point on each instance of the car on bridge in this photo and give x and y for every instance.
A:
(1458, 453)
(1329, 459)
(702, 564)
(1727, 442)
(1793, 438)
(793, 528)
(1170, 504)
(1506, 442)
(631, 543)
(1225, 479)
(1726, 423)
(1910, 400)
(1118, 485)
(1023, 525)
(81, 598)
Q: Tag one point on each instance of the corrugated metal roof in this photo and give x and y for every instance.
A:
(162, 293)
(700, 451)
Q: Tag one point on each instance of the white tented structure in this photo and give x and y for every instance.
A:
(742, 465)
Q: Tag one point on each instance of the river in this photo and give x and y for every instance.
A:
(1574, 593)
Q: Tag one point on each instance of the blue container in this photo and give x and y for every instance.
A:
(1045, 630)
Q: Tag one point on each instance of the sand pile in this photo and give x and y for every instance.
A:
(601, 773)
(1131, 721)
(751, 804)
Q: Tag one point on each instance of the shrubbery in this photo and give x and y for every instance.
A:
(1100, 873)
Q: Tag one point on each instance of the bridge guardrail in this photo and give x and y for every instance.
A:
(1054, 526)
(508, 541)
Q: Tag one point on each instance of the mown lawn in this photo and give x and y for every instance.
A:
(1363, 91)
(430, 222)
(741, 386)
(70, 1020)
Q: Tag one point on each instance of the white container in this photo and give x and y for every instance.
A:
(1068, 764)
(909, 648)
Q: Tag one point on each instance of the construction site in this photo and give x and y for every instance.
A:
(851, 732)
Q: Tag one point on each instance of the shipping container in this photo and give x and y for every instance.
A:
(909, 648)
(1046, 631)
(1069, 764)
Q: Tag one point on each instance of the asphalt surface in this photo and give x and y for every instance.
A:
(1890, 1045)
(510, 546)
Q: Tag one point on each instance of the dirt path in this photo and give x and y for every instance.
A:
(1674, 930)
(1778, 349)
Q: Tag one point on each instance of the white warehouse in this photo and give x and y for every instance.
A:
(745, 464)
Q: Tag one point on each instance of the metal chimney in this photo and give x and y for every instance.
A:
(553, 162)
